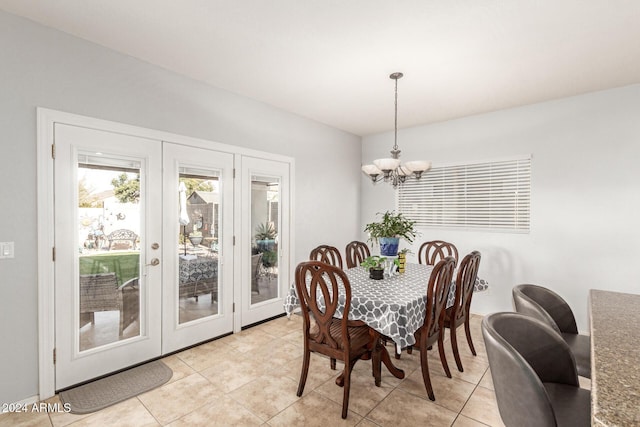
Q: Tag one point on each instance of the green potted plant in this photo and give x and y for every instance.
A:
(402, 259)
(389, 230)
(266, 236)
(375, 264)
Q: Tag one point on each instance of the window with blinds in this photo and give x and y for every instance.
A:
(492, 195)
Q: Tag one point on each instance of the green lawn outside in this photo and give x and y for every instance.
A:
(126, 265)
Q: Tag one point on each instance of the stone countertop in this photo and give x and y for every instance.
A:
(615, 358)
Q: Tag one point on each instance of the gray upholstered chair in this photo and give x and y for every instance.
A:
(549, 307)
(534, 373)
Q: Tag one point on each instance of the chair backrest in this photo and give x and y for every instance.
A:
(327, 254)
(356, 252)
(544, 305)
(256, 260)
(465, 281)
(99, 292)
(523, 353)
(123, 235)
(320, 286)
(130, 303)
(437, 293)
(432, 252)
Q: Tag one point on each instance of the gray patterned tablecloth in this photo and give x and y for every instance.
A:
(395, 306)
(197, 269)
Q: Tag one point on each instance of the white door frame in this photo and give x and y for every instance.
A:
(46, 225)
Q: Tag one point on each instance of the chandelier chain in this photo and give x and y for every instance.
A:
(395, 126)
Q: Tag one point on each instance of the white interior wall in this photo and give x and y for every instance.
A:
(585, 179)
(46, 68)
(585, 193)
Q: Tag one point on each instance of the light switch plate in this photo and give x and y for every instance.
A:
(6, 250)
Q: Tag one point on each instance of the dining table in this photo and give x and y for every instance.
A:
(198, 275)
(614, 319)
(394, 307)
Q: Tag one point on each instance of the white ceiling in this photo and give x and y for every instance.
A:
(329, 60)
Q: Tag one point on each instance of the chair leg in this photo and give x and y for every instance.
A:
(347, 386)
(424, 363)
(454, 347)
(409, 351)
(305, 371)
(443, 357)
(376, 365)
(333, 364)
(467, 330)
(121, 325)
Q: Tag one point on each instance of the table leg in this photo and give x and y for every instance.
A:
(379, 356)
(386, 359)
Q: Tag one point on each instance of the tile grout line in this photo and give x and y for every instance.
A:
(469, 398)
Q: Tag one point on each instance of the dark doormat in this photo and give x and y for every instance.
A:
(116, 388)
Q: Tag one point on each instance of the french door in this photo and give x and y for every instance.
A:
(265, 235)
(198, 239)
(108, 282)
(158, 246)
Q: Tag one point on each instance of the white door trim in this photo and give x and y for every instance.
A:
(45, 215)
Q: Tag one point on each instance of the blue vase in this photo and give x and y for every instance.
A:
(389, 246)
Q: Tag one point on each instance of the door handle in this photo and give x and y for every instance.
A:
(154, 262)
(155, 246)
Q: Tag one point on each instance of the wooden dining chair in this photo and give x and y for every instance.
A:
(432, 252)
(432, 330)
(330, 255)
(327, 254)
(356, 252)
(339, 339)
(459, 313)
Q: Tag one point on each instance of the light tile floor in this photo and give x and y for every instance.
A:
(236, 381)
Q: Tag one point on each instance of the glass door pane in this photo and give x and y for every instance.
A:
(108, 224)
(198, 239)
(199, 234)
(265, 223)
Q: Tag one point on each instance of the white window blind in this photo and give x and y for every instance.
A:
(489, 195)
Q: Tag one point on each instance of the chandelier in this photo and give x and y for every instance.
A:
(391, 169)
